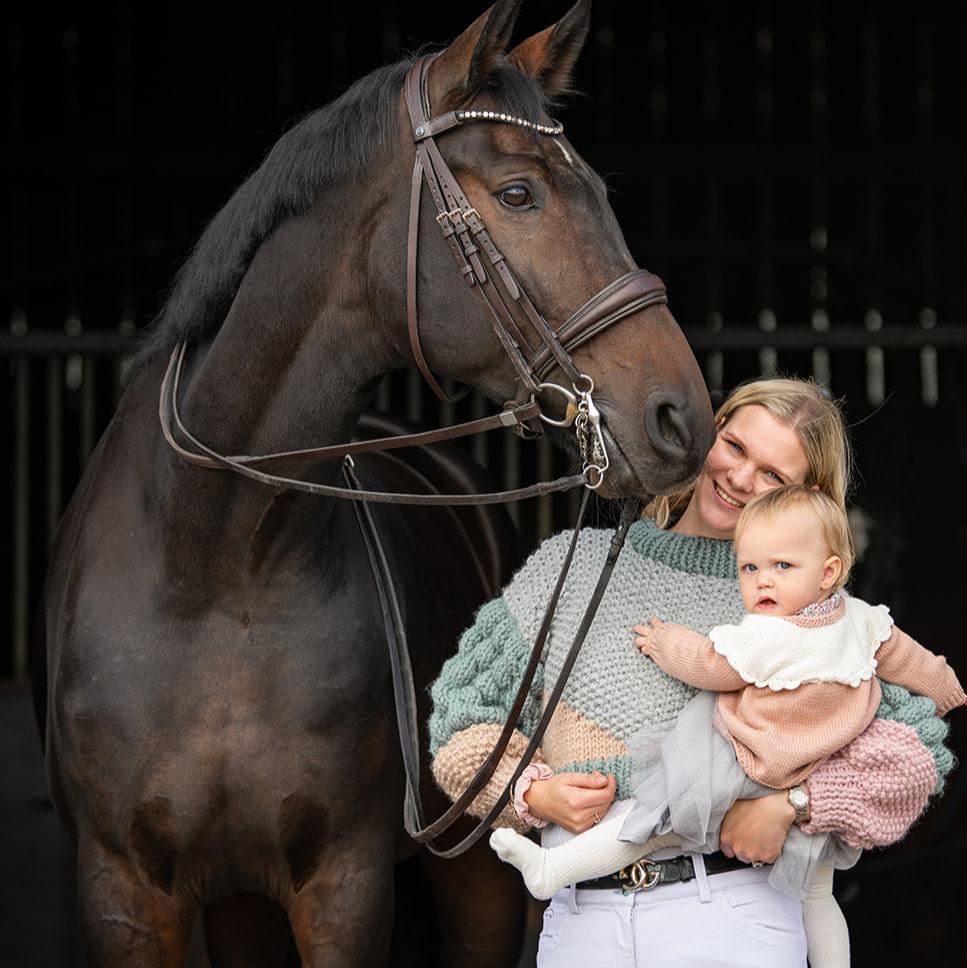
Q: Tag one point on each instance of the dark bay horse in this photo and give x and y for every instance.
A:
(216, 698)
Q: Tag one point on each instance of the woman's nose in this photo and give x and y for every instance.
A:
(741, 477)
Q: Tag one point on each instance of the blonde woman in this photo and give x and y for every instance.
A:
(678, 564)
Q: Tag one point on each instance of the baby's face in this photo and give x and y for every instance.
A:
(784, 563)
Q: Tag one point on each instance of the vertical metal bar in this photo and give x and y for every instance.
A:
(21, 516)
(875, 374)
(414, 395)
(478, 409)
(55, 418)
(929, 381)
(88, 406)
(819, 229)
(765, 99)
(512, 472)
(714, 321)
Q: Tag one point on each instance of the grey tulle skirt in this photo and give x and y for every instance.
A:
(685, 779)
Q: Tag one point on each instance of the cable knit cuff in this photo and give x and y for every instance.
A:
(871, 791)
(535, 771)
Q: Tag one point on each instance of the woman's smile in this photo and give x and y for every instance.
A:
(726, 498)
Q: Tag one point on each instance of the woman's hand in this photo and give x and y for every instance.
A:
(574, 801)
(755, 830)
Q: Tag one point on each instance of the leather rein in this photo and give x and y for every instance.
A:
(475, 253)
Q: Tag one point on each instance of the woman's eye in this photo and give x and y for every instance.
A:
(734, 446)
(516, 197)
(775, 477)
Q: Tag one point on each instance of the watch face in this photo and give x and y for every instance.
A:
(798, 798)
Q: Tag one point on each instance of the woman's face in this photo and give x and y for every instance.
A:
(752, 453)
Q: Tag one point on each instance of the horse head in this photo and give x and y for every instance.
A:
(547, 213)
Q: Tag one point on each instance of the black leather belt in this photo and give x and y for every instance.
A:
(645, 874)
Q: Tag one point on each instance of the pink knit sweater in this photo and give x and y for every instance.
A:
(781, 737)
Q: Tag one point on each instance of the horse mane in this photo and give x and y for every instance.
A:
(342, 139)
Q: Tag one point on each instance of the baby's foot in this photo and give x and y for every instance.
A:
(527, 857)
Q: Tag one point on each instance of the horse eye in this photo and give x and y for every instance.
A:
(516, 197)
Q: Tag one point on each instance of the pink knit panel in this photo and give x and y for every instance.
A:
(871, 791)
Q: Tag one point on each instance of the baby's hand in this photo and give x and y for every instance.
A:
(647, 636)
(655, 639)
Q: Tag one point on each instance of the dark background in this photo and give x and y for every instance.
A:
(795, 173)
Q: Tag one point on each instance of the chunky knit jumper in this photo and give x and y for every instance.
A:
(613, 690)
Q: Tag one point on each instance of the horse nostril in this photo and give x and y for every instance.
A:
(667, 428)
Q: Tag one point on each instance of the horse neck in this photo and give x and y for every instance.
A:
(294, 364)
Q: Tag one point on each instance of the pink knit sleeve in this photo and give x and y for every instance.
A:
(871, 791)
(903, 660)
(690, 656)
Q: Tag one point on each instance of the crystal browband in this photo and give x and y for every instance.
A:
(551, 129)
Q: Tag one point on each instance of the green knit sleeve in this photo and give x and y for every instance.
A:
(478, 684)
(920, 714)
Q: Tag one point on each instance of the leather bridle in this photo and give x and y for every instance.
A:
(481, 264)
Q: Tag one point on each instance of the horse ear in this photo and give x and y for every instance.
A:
(463, 67)
(549, 56)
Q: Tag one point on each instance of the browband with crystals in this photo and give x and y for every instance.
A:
(554, 129)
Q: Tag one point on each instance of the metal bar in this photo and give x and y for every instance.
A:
(39, 343)
(55, 401)
(88, 401)
(21, 516)
(801, 336)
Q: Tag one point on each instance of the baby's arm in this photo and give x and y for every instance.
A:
(687, 655)
(904, 661)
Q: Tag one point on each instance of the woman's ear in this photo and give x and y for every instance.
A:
(832, 569)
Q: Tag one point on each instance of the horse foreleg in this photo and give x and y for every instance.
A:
(128, 921)
(482, 907)
(343, 916)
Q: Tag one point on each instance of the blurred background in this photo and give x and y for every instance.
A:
(795, 173)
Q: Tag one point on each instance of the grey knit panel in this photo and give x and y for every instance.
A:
(612, 683)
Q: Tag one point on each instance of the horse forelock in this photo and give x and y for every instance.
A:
(345, 138)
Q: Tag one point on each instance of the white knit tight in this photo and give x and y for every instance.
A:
(826, 933)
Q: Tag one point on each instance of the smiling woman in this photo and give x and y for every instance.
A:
(770, 433)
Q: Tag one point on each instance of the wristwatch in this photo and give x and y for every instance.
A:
(798, 798)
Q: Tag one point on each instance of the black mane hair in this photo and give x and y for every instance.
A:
(344, 137)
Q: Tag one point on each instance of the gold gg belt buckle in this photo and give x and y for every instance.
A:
(642, 875)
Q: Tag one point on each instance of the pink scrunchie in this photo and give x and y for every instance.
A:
(535, 771)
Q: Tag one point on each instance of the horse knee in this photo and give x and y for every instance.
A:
(125, 921)
(343, 918)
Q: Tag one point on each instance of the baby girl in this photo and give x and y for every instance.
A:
(796, 681)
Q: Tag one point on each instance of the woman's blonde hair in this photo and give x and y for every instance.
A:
(830, 517)
(807, 407)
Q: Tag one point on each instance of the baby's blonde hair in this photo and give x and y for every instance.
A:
(831, 518)
(811, 411)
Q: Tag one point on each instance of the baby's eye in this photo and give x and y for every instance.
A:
(783, 565)
(749, 569)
